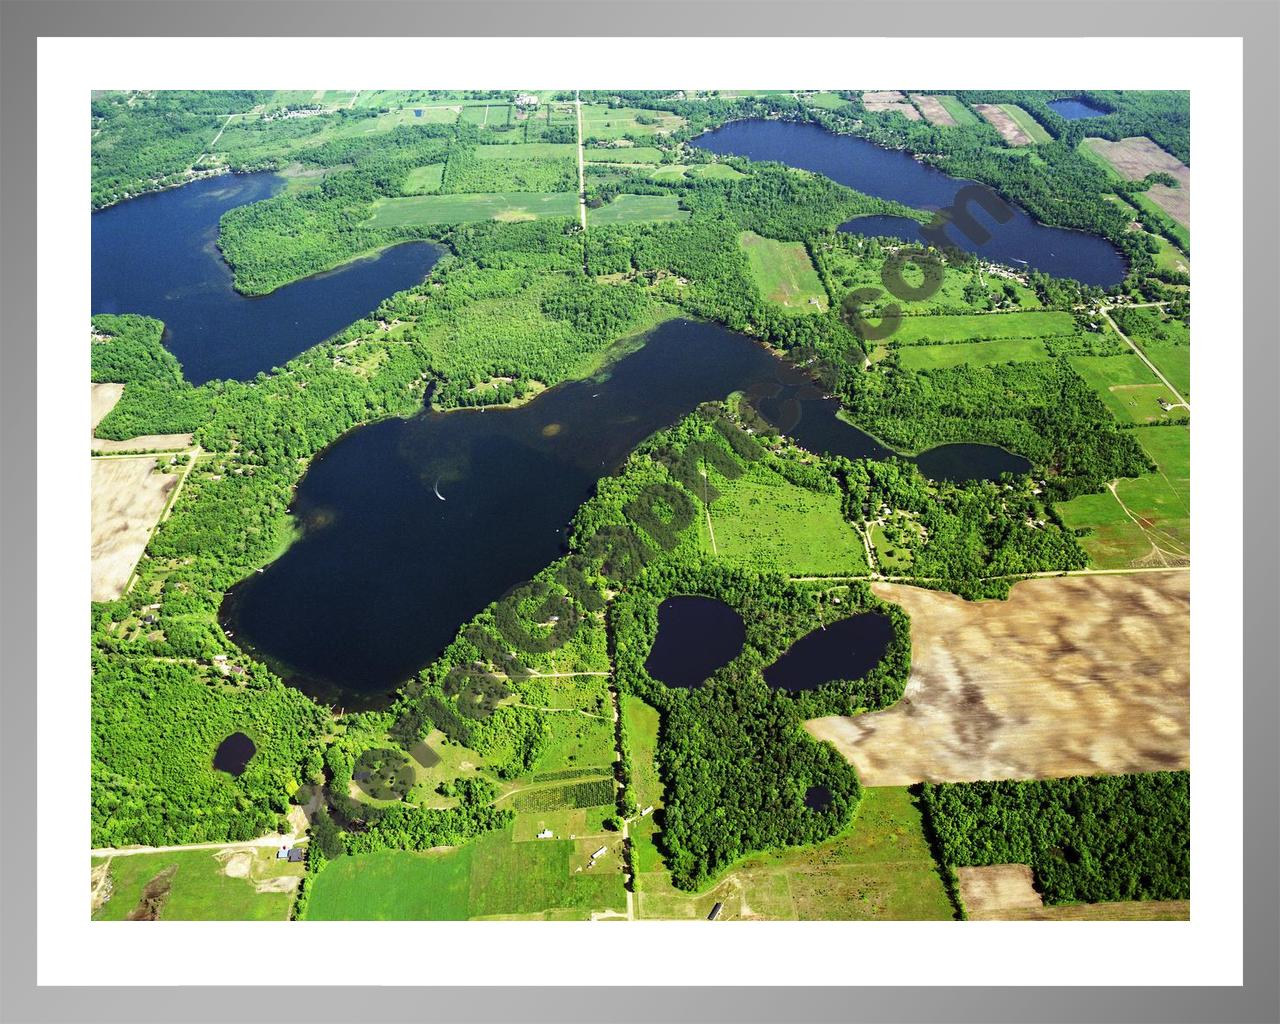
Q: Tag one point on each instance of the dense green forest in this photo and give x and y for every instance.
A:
(1089, 839)
(158, 400)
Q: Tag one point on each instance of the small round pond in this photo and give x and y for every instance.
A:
(696, 636)
(817, 798)
(1075, 108)
(234, 753)
(847, 649)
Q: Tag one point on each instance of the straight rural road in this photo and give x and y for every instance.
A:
(582, 174)
(1013, 576)
(274, 839)
(1106, 311)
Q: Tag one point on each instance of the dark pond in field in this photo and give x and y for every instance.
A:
(158, 255)
(895, 174)
(234, 753)
(412, 526)
(847, 649)
(696, 636)
(1075, 109)
(817, 798)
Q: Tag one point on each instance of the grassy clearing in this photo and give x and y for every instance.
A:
(629, 209)
(980, 353)
(880, 868)
(763, 521)
(891, 557)
(603, 122)
(784, 273)
(962, 114)
(669, 172)
(984, 327)
(420, 211)
(827, 101)
(1127, 387)
(200, 888)
(623, 154)
(1160, 500)
(1027, 123)
(528, 151)
(713, 172)
(423, 180)
(495, 876)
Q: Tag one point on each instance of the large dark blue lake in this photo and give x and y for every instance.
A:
(158, 255)
(386, 570)
(894, 174)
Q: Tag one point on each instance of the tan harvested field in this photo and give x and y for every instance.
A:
(103, 400)
(933, 110)
(1003, 123)
(890, 100)
(1074, 675)
(990, 893)
(128, 498)
(1005, 892)
(1136, 157)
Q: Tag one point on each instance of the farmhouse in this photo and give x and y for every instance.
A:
(546, 833)
(600, 853)
(526, 100)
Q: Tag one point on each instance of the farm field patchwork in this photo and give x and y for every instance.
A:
(1015, 125)
(984, 327)
(129, 495)
(978, 353)
(1134, 158)
(1068, 676)
(890, 101)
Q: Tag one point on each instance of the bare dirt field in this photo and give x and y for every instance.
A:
(1003, 123)
(890, 100)
(991, 892)
(1004, 892)
(1074, 675)
(934, 112)
(1136, 157)
(104, 398)
(128, 498)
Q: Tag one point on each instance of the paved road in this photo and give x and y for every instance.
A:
(582, 175)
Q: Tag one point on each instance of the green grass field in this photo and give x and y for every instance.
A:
(623, 154)
(879, 869)
(1127, 387)
(200, 889)
(603, 122)
(669, 172)
(528, 151)
(1027, 123)
(962, 114)
(827, 101)
(713, 172)
(978, 353)
(984, 327)
(494, 876)
(784, 273)
(420, 211)
(629, 209)
(1160, 500)
(424, 180)
(763, 521)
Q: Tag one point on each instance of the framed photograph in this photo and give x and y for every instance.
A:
(581, 514)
